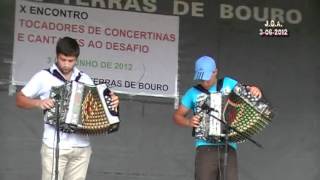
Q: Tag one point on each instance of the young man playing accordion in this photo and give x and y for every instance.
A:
(209, 157)
(75, 149)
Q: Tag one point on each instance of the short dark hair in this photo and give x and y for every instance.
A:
(68, 47)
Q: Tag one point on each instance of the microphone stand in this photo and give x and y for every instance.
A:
(225, 157)
(226, 139)
(56, 176)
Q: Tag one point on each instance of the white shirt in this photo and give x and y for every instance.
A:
(40, 86)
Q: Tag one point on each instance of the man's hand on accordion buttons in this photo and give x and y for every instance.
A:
(114, 101)
(45, 103)
(255, 91)
(194, 121)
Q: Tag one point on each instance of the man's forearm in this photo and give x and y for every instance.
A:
(23, 101)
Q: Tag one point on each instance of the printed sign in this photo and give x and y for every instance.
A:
(133, 53)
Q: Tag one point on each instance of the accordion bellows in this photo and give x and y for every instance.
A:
(83, 109)
(247, 114)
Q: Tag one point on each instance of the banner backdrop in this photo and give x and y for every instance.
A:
(134, 53)
(286, 67)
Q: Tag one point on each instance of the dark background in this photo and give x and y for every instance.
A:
(149, 146)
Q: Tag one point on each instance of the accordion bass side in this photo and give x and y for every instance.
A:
(247, 114)
(83, 109)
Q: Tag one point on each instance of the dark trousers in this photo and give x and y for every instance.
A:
(209, 163)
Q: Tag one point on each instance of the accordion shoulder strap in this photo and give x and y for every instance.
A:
(56, 74)
(219, 84)
(202, 89)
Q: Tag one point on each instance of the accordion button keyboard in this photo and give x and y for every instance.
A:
(110, 107)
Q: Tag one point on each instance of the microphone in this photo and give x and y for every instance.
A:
(207, 108)
(57, 97)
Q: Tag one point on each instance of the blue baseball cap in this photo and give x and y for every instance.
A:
(204, 68)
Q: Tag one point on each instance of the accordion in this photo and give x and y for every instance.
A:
(244, 113)
(83, 109)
